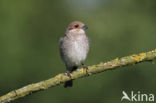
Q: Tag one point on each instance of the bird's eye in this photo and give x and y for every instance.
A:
(76, 26)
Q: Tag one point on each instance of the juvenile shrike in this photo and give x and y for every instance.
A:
(74, 47)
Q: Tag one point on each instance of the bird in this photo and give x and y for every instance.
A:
(74, 47)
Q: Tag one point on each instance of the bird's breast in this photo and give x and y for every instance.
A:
(78, 49)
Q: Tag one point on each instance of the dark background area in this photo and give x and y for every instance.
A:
(29, 50)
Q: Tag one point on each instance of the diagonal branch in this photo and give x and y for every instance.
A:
(61, 78)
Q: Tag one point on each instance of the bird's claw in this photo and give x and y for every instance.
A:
(86, 68)
(68, 73)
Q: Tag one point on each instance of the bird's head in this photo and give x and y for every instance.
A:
(76, 26)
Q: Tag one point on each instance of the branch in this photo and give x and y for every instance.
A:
(61, 78)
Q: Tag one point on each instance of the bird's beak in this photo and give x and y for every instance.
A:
(84, 27)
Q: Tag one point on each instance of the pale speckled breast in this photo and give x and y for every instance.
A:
(74, 49)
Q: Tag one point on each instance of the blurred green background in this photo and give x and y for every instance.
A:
(29, 52)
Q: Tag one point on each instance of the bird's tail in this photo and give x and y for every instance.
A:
(68, 84)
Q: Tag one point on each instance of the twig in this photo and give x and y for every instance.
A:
(61, 78)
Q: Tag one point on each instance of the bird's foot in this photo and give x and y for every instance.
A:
(85, 68)
(68, 73)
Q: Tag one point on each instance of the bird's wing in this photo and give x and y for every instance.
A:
(60, 41)
(61, 46)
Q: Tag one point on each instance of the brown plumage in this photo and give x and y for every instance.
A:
(74, 47)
